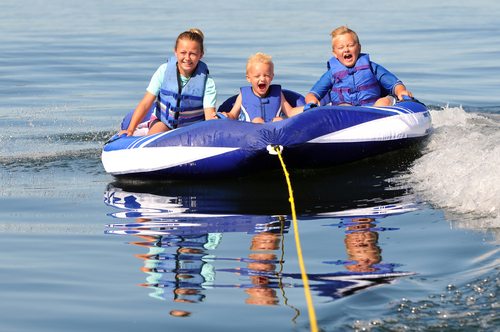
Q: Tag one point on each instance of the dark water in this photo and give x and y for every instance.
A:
(404, 241)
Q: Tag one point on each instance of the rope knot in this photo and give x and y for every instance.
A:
(274, 149)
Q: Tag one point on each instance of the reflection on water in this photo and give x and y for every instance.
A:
(182, 265)
(178, 262)
(364, 183)
(364, 266)
(262, 263)
(176, 268)
(361, 246)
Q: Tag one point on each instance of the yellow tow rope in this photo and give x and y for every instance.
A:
(305, 280)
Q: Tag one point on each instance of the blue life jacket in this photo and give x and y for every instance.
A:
(253, 106)
(180, 106)
(357, 85)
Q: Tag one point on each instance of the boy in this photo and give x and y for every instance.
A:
(352, 79)
(261, 101)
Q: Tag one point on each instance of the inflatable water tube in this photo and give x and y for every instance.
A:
(321, 137)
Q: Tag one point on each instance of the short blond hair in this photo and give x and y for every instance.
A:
(342, 30)
(260, 57)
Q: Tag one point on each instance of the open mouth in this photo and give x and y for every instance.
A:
(347, 57)
(262, 86)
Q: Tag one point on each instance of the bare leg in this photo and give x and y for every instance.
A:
(157, 127)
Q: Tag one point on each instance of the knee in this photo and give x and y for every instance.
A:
(384, 101)
(258, 120)
(157, 127)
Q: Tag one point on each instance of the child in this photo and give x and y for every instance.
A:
(182, 89)
(352, 79)
(262, 101)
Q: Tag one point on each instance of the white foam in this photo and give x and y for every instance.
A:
(45, 228)
(460, 168)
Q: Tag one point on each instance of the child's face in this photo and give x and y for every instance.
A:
(188, 53)
(260, 76)
(346, 49)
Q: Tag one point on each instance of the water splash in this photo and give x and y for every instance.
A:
(34, 135)
(460, 168)
(38, 140)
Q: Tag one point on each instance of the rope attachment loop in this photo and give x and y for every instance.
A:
(274, 149)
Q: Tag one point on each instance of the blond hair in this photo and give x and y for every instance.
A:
(342, 30)
(193, 34)
(259, 57)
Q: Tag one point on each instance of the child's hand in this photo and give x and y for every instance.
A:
(404, 93)
(308, 106)
(400, 91)
(222, 115)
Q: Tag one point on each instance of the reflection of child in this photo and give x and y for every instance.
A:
(352, 79)
(185, 92)
(180, 313)
(361, 246)
(261, 101)
(184, 272)
(262, 263)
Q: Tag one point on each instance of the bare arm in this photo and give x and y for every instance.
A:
(139, 112)
(234, 113)
(287, 109)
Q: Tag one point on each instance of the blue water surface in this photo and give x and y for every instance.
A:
(403, 241)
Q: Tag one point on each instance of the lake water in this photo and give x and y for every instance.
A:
(404, 241)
